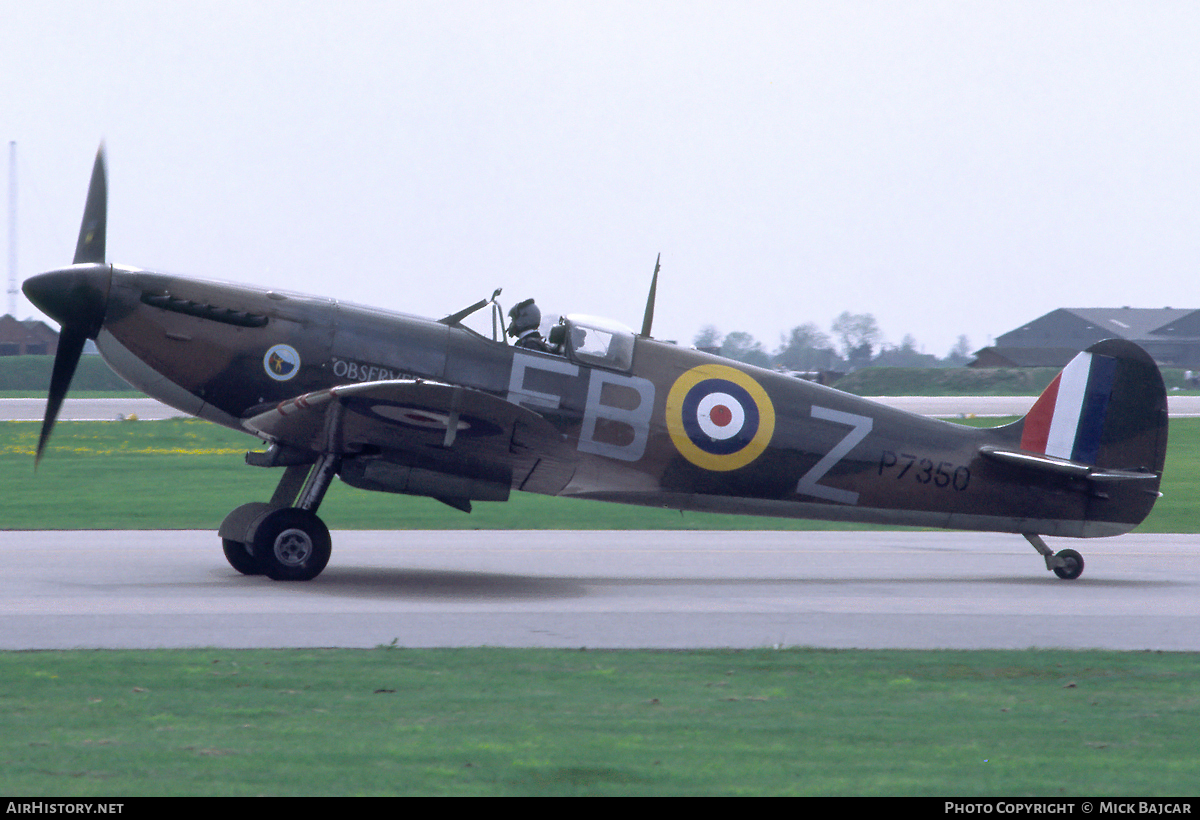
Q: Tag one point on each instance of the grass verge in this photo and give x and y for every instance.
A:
(559, 722)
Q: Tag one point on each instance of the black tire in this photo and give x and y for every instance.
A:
(292, 544)
(1072, 566)
(237, 553)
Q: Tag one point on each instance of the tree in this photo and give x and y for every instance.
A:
(854, 330)
(805, 348)
(960, 354)
(708, 337)
(743, 347)
(858, 334)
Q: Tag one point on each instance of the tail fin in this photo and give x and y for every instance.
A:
(1106, 409)
(1102, 420)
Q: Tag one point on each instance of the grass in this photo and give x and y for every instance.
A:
(558, 722)
(30, 376)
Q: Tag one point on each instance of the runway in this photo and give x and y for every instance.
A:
(668, 590)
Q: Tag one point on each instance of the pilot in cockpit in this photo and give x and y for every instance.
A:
(525, 318)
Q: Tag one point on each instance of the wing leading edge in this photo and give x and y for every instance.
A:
(424, 438)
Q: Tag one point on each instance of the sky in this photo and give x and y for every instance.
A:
(949, 167)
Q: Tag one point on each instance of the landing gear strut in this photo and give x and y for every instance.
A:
(1066, 564)
(283, 538)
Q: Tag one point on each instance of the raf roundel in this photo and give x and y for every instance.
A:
(281, 362)
(719, 418)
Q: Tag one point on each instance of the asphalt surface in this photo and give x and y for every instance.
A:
(107, 589)
(88, 409)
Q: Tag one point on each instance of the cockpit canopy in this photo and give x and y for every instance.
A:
(589, 340)
(594, 341)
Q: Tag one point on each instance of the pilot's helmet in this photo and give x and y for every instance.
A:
(525, 316)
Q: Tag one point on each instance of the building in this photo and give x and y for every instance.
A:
(26, 338)
(1170, 335)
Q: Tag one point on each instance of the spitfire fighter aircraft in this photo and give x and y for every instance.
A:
(400, 404)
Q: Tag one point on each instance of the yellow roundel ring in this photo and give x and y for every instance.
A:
(719, 418)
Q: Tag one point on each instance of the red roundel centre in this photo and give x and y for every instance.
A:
(720, 415)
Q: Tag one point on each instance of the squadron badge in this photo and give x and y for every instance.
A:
(281, 362)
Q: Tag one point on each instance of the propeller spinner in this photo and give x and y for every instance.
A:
(75, 297)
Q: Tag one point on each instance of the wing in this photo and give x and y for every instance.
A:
(424, 438)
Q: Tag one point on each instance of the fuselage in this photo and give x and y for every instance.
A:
(659, 425)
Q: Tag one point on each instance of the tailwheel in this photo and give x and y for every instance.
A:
(1068, 564)
(291, 544)
(237, 553)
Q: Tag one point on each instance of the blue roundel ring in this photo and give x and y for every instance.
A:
(719, 418)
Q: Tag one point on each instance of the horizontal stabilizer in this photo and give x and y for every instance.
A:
(1040, 461)
(1062, 466)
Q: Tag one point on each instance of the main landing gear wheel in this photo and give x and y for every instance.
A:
(1069, 564)
(237, 553)
(292, 544)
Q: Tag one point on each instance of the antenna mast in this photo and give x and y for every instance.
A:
(12, 228)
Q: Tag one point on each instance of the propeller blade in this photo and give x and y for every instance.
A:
(90, 247)
(70, 348)
(76, 297)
